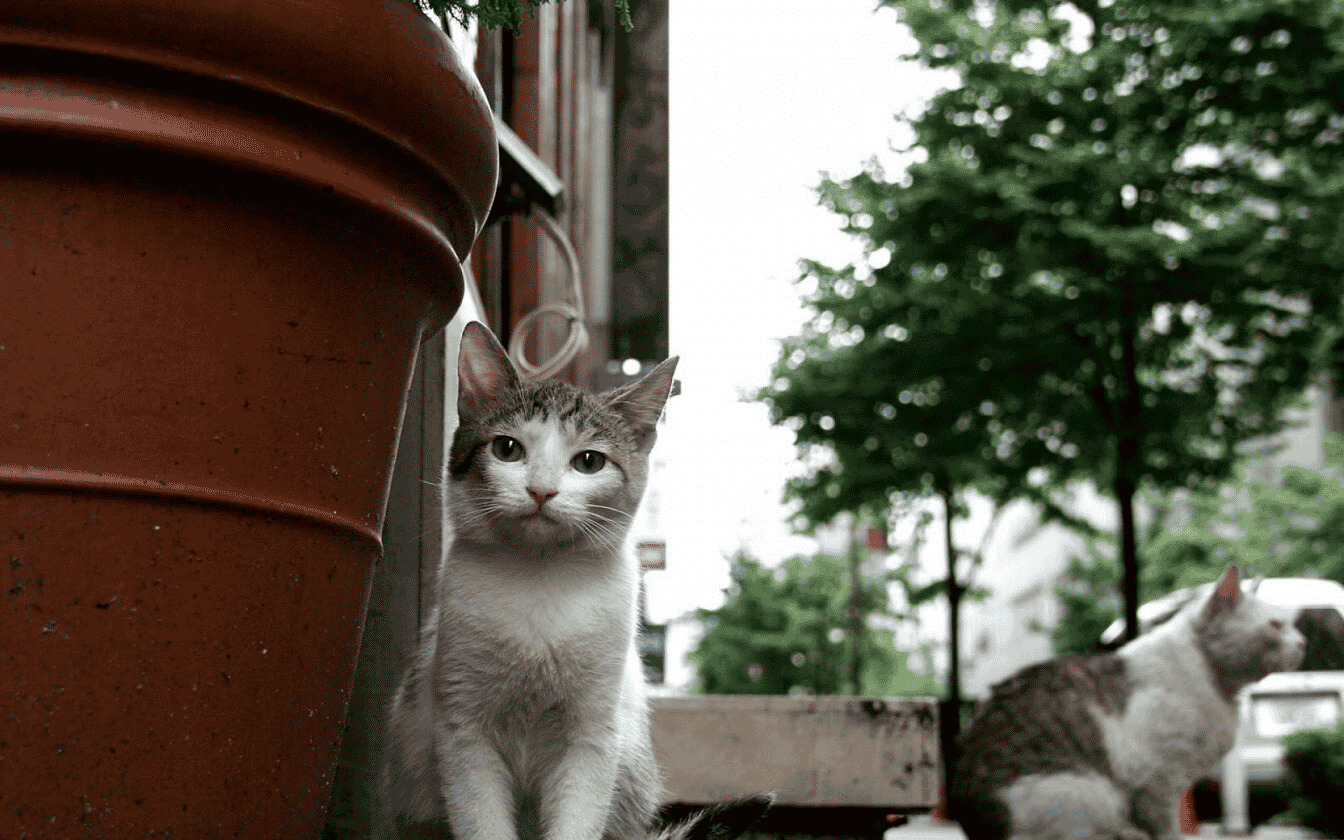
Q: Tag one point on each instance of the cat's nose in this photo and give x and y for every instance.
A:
(541, 496)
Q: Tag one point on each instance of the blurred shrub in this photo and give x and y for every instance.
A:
(1314, 783)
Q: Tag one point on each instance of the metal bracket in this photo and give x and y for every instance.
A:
(525, 181)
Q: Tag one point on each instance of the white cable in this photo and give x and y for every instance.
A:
(577, 339)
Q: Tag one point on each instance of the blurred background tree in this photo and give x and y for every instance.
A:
(787, 631)
(1112, 254)
(1289, 525)
(1089, 602)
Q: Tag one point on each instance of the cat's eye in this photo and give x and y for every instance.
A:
(589, 461)
(506, 448)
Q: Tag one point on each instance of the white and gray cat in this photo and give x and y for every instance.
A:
(1101, 747)
(523, 713)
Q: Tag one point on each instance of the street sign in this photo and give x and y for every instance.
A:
(652, 555)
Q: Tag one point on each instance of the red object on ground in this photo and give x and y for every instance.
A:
(940, 812)
(1189, 820)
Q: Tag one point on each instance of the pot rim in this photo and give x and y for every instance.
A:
(360, 68)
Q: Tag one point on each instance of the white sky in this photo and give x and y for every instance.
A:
(764, 96)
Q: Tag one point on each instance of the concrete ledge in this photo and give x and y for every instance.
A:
(834, 752)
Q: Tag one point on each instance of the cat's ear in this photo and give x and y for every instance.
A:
(484, 372)
(1226, 593)
(641, 402)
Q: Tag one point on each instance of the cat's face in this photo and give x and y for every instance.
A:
(539, 480)
(543, 465)
(1246, 639)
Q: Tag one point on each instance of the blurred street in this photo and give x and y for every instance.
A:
(927, 828)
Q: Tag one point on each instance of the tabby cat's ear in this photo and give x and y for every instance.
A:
(641, 402)
(1226, 594)
(484, 372)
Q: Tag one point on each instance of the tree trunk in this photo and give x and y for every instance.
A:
(856, 623)
(1129, 438)
(951, 711)
(953, 606)
(1129, 556)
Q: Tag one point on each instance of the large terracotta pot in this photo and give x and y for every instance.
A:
(225, 228)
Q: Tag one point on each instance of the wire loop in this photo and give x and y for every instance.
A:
(576, 341)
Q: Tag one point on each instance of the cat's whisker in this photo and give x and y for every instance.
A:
(583, 527)
(602, 517)
(477, 513)
(613, 534)
(603, 538)
(602, 531)
(594, 537)
(622, 515)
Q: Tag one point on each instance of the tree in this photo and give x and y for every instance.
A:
(1088, 603)
(1288, 525)
(786, 630)
(885, 428)
(1114, 255)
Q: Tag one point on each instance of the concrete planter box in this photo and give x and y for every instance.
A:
(847, 765)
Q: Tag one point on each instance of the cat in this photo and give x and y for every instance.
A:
(1101, 747)
(718, 822)
(523, 713)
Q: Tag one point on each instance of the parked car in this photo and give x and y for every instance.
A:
(1247, 791)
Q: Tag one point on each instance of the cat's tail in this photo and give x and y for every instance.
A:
(718, 822)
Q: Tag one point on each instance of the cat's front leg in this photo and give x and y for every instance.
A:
(477, 793)
(579, 799)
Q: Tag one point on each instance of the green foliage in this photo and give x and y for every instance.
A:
(1292, 526)
(1314, 781)
(1116, 263)
(496, 14)
(1031, 312)
(938, 589)
(1089, 601)
(1285, 528)
(785, 630)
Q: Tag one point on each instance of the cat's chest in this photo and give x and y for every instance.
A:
(1174, 720)
(541, 613)
(541, 625)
